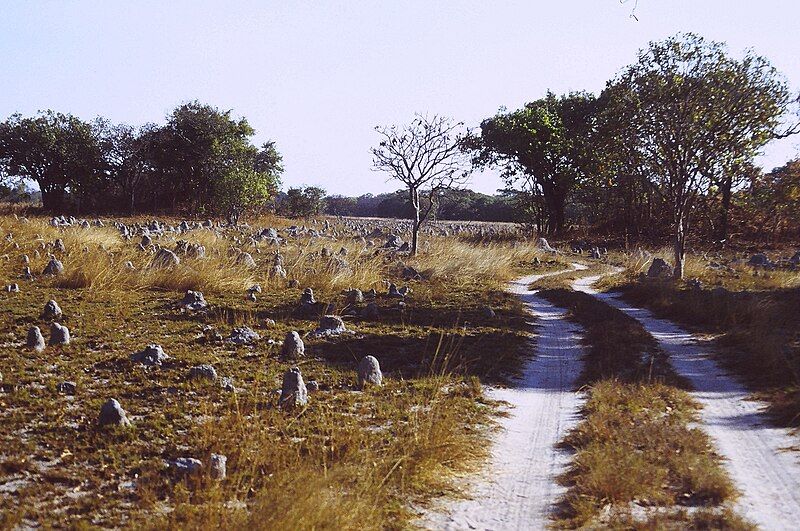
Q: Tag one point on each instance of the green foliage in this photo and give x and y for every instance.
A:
(243, 188)
(542, 150)
(58, 151)
(691, 114)
(302, 202)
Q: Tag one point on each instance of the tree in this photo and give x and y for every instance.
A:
(427, 157)
(196, 148)
(773, 201)
(128, 157)
(692, 113)
(302, 202)
(338, 205)
(542, 150)
(251, 180)
(242, 188)
(58, 151)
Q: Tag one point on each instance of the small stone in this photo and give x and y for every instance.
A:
(218, 466)
(293, 391)
(12, 288)
(312, 386)
(659, 269)
(186, 466)
(330, 325)
(394, 293)
(243, 336)
(545, 246)
(369, 372)
(354, 296)
(59, 334)
(151, 355)
(53, 267)
(203, 372)
(227, 384)
(293, 346)
(246, 260)
(194, 301)
(164, 259)
(758, 260)
(112, 414)
(35, 339)
(51, 311)
(277, 271)
(307, 297)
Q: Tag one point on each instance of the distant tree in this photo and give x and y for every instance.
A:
(772, 202)
(58, 151)
(427, 157)
(302, 202)
(337, 205)
(542, 150)
(694, 113)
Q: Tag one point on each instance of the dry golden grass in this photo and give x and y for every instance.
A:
(735, 276)
(347, 460)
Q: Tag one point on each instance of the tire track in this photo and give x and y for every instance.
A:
(518, 489)
(756, 454)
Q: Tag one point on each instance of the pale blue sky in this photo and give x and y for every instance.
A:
(318, 76)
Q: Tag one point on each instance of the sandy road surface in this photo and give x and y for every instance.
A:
(756, 455)
(518, 489)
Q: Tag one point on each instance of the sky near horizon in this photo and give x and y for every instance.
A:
(317, 77)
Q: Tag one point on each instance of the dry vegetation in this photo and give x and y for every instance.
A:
(639, 462)
(752, 315)
(350, 459)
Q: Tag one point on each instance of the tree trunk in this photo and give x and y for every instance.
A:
(415, 225)
(726, 205)
(680, 246)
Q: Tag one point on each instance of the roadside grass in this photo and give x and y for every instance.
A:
(349, 459)
(639, 463)
(753, 318)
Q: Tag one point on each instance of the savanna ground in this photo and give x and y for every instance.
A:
(354, 458)
(349, 459)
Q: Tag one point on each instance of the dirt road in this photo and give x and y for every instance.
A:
(756, 454)
(519, 488)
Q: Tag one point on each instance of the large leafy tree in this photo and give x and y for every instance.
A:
(426, 156)
(542, 150)
(196, 148)
(128, 158)
(692, 113)
(58, 151)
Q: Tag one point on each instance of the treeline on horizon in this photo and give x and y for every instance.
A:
(666, 148)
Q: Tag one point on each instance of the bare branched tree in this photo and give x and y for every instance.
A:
(427, 157)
